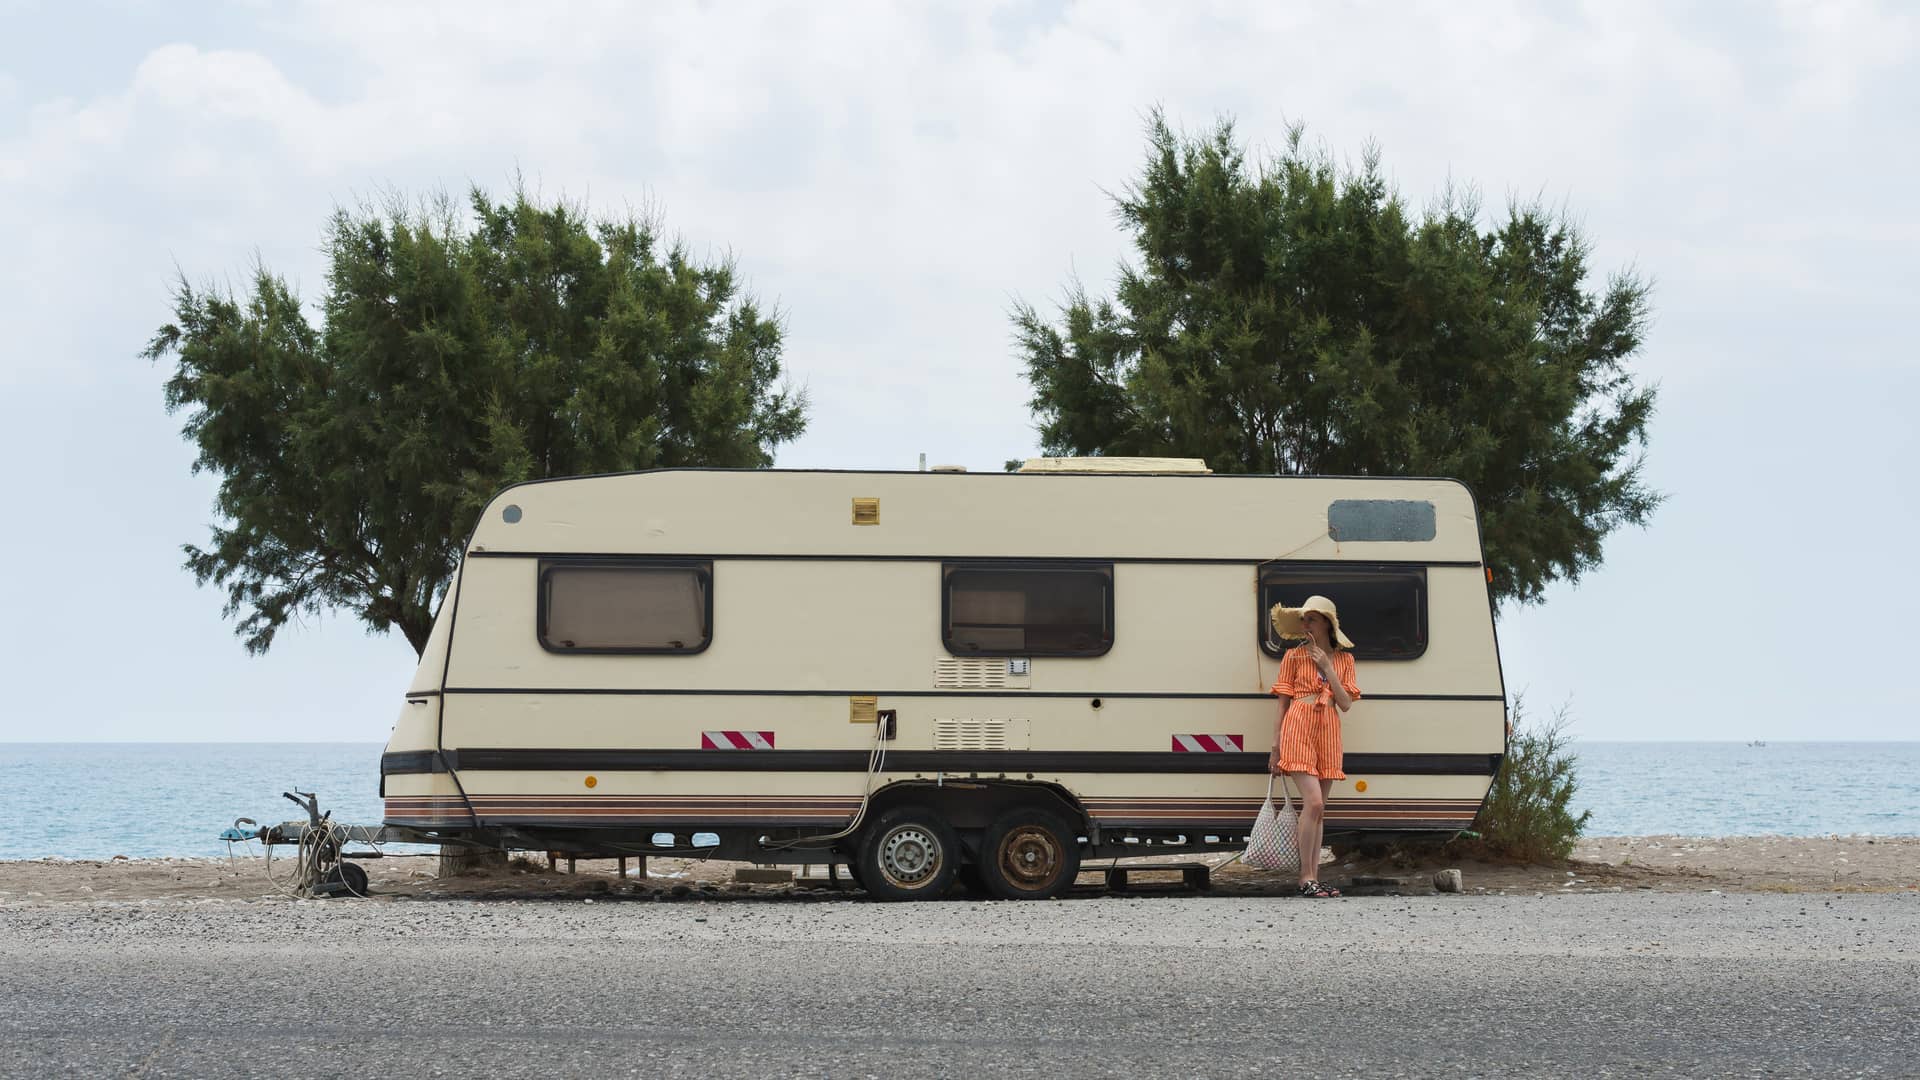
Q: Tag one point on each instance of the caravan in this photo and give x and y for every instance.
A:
(931, 675)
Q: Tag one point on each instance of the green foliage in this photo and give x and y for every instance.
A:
(456, 354)
(1295, 318)
(1526, 817)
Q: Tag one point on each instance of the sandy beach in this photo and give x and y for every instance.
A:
(1744, 864)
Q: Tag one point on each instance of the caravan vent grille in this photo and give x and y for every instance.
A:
(969, 673)
(970, 734)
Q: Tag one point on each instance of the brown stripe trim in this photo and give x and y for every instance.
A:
(1247, 812)
(1245, 821)
(717, 800)
(659, 813)
(711, 811)
(1254, 802)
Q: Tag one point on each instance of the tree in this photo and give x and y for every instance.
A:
(1296, 318)
(455, 354)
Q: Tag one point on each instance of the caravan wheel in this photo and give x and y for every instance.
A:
(1029, 854)
(908, 854)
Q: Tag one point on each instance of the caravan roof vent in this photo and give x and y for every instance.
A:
(949, 468)
(1194, 466)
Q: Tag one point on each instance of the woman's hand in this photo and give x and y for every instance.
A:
(1320, 659)
(1273, 761)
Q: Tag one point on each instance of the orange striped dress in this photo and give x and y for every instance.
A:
(1309, 735)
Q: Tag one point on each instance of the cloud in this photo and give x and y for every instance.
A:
(893, 176)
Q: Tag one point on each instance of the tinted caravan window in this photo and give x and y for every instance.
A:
(1005, 610)
(625, 606)
(1383, 609)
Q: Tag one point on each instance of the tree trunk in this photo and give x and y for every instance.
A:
(417, 626)
(458, 859)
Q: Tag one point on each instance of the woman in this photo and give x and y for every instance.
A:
(1316, 685)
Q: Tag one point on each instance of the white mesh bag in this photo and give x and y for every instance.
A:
(1273, 844)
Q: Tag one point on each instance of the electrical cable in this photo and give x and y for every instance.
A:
(876, 762)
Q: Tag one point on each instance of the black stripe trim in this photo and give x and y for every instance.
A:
(403, 762)
(854, 557)
(1173, 695)
(514, 759)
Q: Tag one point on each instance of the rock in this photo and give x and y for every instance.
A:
(1449, 881)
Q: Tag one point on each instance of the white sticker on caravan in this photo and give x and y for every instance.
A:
(1018, 665)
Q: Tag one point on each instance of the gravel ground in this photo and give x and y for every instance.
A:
(1693, 983)
(1601, 864)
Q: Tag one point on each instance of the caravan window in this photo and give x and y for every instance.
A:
(998, 609)
(1383, 608)
(625, 605)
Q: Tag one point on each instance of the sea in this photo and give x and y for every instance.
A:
(142, 800)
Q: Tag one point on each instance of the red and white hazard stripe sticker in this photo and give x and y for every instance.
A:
(1209, 744)
(736, 740)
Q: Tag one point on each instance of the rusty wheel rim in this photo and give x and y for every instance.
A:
(1030, 857)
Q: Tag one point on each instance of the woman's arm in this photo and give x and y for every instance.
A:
(1341, 699)
(1328, 668)
(1346, 690)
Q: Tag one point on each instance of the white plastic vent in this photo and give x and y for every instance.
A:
(978, 673)
(969, 734)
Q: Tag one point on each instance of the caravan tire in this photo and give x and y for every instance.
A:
(1029, 854)
(908, 854)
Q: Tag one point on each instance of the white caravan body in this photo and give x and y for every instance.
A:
(763, 655)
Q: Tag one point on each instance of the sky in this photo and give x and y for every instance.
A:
(894, 178)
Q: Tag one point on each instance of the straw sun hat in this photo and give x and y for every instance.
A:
(1290, 622)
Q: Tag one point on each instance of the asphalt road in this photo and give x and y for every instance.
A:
(1595, 985)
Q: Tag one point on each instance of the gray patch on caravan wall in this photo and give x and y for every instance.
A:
(1380, 519)
(511, 513)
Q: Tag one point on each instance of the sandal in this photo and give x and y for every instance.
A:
(1317, 891)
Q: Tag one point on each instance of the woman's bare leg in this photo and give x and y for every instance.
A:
(1325, 788)
(1313, 803)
